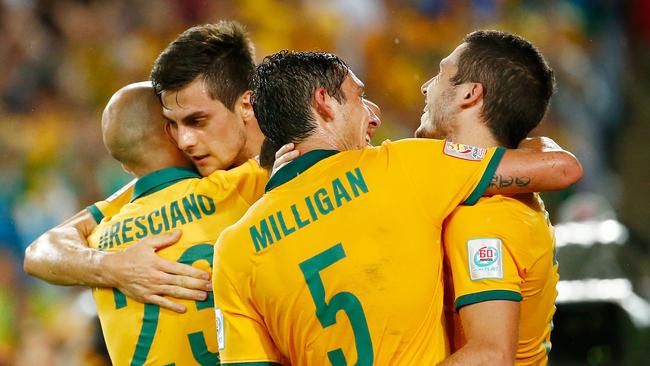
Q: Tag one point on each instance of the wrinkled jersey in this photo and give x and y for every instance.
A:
(503, 249)
(169, 199)
(340, 261)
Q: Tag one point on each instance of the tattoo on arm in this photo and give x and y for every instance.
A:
(499, 181)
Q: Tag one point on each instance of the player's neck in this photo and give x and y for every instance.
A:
(476, 133)
(319, 141)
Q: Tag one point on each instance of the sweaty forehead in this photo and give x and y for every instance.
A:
(452, 59)
(357, 83)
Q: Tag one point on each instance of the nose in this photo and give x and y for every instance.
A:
(425, 86)
(373, 112)
(186, 139)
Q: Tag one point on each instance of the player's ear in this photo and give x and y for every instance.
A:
(170, 133)
(472, 94)
(321, 101)
(244, 106)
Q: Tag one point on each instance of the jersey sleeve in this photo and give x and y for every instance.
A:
(445, 174)
(479, 248)
(112, 205)
(249, 179)
(242, 336)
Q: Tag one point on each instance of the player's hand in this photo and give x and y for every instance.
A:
(144, 276)
(284, 156)
(539, 144)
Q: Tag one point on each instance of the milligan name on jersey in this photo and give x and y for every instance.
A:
(180, 212)
(298, 215)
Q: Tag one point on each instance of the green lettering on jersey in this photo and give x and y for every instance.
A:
(115, 228)
(286, 231)
(357, 182)
(126, 227)
(262, 237)
(210, 208)
(321, 198)
(163, 214)
(177, 215)
(191, 208)
(310, 206)
(142, 229)
(155, 230)
(274, 227)
(339, 192)
(296, 216)
(103, 239)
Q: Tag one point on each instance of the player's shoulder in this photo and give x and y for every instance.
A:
(249, 170)
(499, 211)
(418, 148)
(412, 143)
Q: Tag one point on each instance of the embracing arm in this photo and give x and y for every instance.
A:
(490, 340)
(61, 256)
(538, 165)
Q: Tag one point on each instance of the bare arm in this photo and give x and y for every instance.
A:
(491, 331)
(538, 165)
(61, 256)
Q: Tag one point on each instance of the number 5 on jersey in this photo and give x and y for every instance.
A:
(326, 312)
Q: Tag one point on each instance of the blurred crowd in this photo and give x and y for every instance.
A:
(61, 60)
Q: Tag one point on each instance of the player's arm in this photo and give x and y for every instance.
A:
(61, 256)
(538, 165)
(491, 332)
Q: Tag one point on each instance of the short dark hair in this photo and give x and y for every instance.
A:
(517, 82)
(283, 86)
(220, 53)
(267, 154)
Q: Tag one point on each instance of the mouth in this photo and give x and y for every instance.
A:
(200, 159)
(368, 140)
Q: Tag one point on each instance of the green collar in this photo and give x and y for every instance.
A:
(299, 165)
(153, 182)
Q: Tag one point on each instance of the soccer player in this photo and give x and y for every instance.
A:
(340, 261)
(168, 195)
(492, 91)
(203, 77)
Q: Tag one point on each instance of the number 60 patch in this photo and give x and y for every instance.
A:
(485, 260)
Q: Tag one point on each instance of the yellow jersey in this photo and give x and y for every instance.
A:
(165, 200)
(113, 204)
(340, 261)
(503, 249)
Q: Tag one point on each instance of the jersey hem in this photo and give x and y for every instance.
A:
(470, 299)
(484, 183)
(97, 214)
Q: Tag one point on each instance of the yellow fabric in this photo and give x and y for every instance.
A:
(529, 266)
(377, 215)
(220, 200)
(114, 203)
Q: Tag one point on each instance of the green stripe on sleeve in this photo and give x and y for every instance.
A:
(484, 183)
(470, 299)
(120, 299)
(97, 214)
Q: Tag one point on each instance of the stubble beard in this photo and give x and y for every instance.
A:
(441, 117)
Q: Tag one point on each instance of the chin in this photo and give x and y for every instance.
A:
(206, 170)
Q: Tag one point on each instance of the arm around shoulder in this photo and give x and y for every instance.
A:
(538, 165)
(61, 255)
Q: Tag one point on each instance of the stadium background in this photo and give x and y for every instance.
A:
(61, 60)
